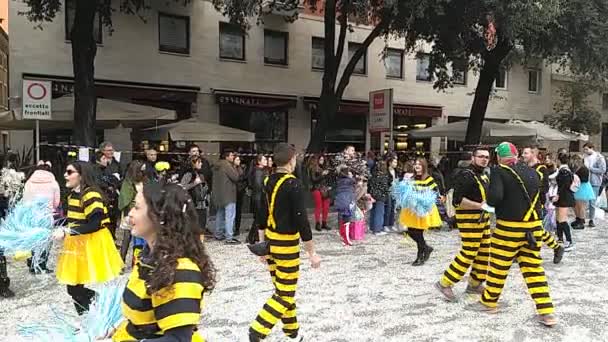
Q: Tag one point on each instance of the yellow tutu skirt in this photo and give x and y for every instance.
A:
(88, 259)
(121, 335)
(410, 220)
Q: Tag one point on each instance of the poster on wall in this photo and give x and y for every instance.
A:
(380, 111)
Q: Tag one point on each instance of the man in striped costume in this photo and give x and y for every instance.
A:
(283, 221)
(474, 226)
(530, 156)
(514, 192)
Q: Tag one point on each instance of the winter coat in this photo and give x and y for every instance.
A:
(42, 184)
(317, 179)
(225, 179)
(597, 168)
(345, 194)
(127, 195)
(379, 186)
(256, 184)
(198, 192)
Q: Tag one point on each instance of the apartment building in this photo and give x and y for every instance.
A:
(267, 80)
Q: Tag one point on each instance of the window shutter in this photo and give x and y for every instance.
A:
(173, 34)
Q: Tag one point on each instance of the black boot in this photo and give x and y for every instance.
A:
(318, 227)
(419, 259)
(5, 282)
(427, 252)
(324, 226)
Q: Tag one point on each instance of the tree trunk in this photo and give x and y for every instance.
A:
(84, 49)
(487, 76)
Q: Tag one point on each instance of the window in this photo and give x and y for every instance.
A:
(361, 66)
(422, 68)
(459, 71)
(173, 33)
(501, 78)
(318, 53)
(70, 6)
(605, 102)
(275, 47)
(393, 62)
(533, 81)
(232, 42)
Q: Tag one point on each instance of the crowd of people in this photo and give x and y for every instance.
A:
(162, 212)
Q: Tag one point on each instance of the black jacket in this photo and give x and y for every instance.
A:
(507, 195)
(564, 182)
(466, 186)
(379, 186)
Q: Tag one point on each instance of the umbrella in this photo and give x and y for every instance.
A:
(548, 133)
(195, 130)
(490, 131)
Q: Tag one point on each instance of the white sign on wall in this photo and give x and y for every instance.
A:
(37, 96)
(380, 110)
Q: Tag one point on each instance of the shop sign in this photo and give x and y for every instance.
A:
(238, 100)
(37, 96)
(380, 110)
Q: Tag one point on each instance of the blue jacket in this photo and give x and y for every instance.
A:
(345, 195)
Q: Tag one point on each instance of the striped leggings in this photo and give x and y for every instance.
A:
(475, 251)
(549, 240)
(509, 244)
(284, 266)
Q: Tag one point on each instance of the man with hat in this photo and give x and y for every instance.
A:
(514, 192)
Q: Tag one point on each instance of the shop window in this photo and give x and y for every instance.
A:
(318, 53)
(502, 78)
(605, 101)
(268, 125)
(422, 68)
(232, 42)
(393, 62)
(361, 66)
(459, 71)
(173, 33)
(275, 47)
(70, 11)
(533, 80)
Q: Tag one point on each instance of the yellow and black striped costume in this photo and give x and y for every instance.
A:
(285, 220)
(409, 219)
(547, 237)
(149, 316)
(89, 254)
(514, 192)
(474, 228)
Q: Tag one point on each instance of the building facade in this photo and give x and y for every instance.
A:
(266, 80)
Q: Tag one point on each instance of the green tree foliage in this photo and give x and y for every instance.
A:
(84, 50)
(573, 110)
(567, 32)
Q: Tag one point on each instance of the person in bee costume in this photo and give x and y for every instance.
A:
(514, 193)
(282, 222)
(89, 255)
(473, 223)
(163, 299)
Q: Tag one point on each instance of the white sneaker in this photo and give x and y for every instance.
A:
(388, 229)
(568, 246)
(380, 233)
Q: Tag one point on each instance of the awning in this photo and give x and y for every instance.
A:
(547, 133)
(197, 131)
(235, 98)
(360, 107)
(109, 114)
(491, 131)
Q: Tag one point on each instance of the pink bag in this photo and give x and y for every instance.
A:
(357, 230)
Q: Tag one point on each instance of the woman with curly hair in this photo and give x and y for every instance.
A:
(89, 255)
(163, 297)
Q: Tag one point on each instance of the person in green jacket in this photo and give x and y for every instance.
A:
(134, 181)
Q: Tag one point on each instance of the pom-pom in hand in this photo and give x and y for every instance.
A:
(58, 234)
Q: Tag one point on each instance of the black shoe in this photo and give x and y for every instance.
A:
(427, 253)
(559, 254)
(232, 242)
(6, 293)
(318, 227)
(578, 225)
(254, 337)
(324, 226)
(591, 224)
(419, 259)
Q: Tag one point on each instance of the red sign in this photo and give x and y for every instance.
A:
(379, 101)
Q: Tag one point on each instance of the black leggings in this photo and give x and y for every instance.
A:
(564, 228)
(418, 236)
(82, 298)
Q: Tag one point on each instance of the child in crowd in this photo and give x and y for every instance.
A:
(345, 202)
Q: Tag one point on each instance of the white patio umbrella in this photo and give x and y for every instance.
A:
(195, 130)
(491, 131)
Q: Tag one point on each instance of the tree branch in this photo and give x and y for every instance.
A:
(350, 67)
(330, 73)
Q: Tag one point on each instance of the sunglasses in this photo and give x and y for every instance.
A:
(70, 172)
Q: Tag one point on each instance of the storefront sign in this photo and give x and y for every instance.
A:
(238, 100)
(380, 110)
(37, 96)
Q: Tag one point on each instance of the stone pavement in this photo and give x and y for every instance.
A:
(369, 292)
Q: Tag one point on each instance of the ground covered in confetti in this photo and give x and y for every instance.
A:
(369, 292)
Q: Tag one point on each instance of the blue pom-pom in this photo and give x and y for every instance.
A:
(421, 202)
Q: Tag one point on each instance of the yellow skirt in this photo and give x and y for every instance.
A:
(410, 220)
(121, 335)
(88, 259)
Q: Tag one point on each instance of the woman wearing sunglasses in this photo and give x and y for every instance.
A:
(89, 255)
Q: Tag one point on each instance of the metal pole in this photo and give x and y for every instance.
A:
(37, 140)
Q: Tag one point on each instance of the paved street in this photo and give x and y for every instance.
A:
(370, 293)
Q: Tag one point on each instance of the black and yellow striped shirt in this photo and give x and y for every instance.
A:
(175, 306)
(86, 212)
(428, 183)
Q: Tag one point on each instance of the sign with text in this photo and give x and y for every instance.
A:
(37, 96)
(380, 110)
